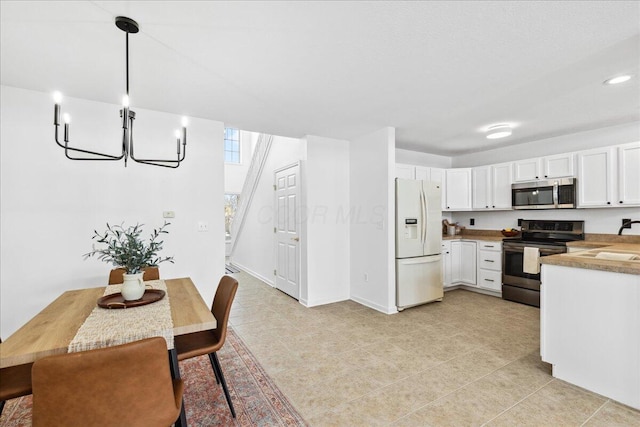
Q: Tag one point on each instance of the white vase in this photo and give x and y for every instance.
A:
(132, 287)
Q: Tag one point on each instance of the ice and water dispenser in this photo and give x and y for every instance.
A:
(410, 228)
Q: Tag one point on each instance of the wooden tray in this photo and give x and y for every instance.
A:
(117, 300)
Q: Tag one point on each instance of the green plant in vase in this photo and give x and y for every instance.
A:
(124, 247)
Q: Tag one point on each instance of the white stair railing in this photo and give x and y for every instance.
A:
(260, 153)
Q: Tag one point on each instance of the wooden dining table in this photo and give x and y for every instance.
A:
(51, 331)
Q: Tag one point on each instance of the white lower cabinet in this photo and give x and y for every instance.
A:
(468, 263)
(446, 264)
(472, 263)
(490, 265)
(462, 262)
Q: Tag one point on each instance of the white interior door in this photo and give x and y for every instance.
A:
(287, 230)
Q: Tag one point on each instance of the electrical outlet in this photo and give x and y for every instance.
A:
(168, 214)
(625, 221)
(366, 277)
(472, 221)
(203, 226)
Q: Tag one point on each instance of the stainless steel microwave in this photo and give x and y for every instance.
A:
(559, 193)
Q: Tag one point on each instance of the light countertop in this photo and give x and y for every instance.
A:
(586, 258)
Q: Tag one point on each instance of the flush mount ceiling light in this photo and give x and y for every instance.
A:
(499, 131)
(128, 116)
(617, 79)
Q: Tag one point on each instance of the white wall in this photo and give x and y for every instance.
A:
(327, 222)
(372, 243)
(422, 159)
(562, 144)
(234, 174)
(50, 205)
(254, 251)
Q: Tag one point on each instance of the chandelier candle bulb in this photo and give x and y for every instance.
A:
(56, 115)
(67, 120)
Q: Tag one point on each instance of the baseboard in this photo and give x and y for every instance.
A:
(317, 302)
(476, 290)
(269, 282)
(373, 305)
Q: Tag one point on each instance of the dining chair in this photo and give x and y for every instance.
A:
(211, 341)
(15, 381)
(124, 385)
(150, 273)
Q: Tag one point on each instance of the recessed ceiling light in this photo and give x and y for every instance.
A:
(617, 80)
(499, 131)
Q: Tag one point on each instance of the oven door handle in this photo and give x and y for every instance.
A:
(555, 194)
(543, 252)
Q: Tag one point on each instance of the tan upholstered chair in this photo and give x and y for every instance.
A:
(126, 385)
(15, 381)
(150, 273)
(209, 342)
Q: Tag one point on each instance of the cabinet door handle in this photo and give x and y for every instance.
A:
(489, 260)
(488, 246)
(489, 280)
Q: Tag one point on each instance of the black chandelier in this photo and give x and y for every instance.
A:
(128, 116)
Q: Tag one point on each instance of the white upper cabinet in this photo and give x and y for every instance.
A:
(526, 170)
(481, 179)
(629, 174)
(609, 176)
(596, 177)
(557, 166)
(458, 189)
(405, 171)
(501, 176)
(492, 186)
(437, 175)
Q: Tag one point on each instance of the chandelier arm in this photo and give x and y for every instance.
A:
(156, 162)
(66, 147)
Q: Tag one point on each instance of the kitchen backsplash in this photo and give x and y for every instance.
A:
(604, 221)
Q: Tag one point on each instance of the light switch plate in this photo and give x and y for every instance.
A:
(168, 214)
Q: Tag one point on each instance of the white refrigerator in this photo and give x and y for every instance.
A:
(418, 243)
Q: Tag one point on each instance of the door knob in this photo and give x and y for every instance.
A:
(297, 239)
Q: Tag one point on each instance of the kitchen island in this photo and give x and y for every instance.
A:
(590, 320)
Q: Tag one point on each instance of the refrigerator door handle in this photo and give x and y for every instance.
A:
(420, 260)
(422, 217)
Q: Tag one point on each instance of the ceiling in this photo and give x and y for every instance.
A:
(439, 72)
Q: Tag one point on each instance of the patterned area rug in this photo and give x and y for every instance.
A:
(256, 399)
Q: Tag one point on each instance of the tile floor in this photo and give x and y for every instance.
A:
(469, 360)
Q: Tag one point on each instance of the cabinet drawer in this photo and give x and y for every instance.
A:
(490, 280)
(490, 260)
(490, 246)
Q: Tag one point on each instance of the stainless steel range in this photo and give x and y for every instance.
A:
(551, 238)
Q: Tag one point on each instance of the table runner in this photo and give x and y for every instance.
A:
(108, 327)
